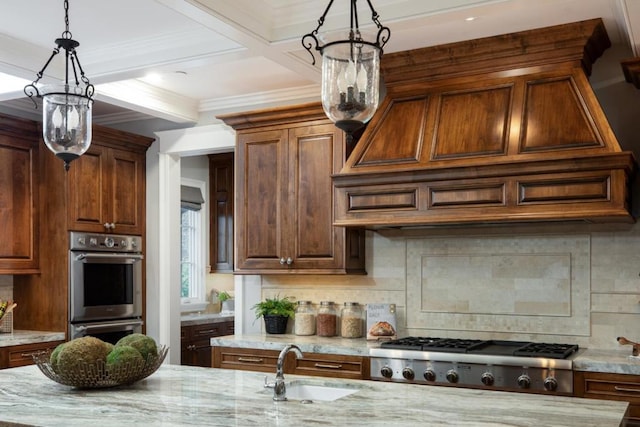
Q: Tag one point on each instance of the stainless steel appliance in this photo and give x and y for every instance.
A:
(489, 364)
(105, 286)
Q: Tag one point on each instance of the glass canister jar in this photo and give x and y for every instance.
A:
(326, 319)
(351, 320)
(305, 319)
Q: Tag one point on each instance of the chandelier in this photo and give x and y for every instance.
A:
(66, 108)
(350, 71)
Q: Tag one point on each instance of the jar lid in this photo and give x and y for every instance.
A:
(326, 302)
(304, 302)
(350, 303)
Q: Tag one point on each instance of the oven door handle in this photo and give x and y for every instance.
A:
(83, 328)
(133, 257)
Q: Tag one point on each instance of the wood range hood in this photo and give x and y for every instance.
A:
(496, 130)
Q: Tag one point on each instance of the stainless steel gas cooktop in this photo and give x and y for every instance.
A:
(501, 365)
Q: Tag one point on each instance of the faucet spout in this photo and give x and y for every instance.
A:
(279, 389)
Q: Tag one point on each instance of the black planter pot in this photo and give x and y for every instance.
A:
(275, 324)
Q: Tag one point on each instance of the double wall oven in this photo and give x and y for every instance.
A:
(105, 285)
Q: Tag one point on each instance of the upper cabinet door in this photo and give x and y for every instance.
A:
(18, 202)
(260, 199)
(106, 188)
(285, 201)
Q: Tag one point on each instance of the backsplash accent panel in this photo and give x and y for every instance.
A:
(516, 284)
(528, 283)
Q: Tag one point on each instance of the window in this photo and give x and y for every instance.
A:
(192, 253)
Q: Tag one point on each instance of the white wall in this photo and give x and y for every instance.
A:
(163, 224)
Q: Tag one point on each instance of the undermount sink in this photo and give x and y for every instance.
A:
(297, 390)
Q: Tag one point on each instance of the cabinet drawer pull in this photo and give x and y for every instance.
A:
(207, 332)
(326, 366)
(625, 389)
(250, 359)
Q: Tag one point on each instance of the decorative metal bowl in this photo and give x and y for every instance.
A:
(99, 375)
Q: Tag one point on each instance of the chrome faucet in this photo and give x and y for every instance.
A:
(279, 388)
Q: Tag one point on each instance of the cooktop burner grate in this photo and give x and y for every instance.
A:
(457, 345)
(554, 351)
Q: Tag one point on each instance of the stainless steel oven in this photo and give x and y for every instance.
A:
(105, 283)
(107, 331)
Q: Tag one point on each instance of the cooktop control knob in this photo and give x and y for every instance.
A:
(123, 244)
(109, 242)
(408, 374)
(524, 381)
(550, 384)
(386, 372)
(452, 376)
(487, 378)
(429, 375)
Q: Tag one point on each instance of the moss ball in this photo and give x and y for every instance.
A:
(143, 343)
(86, 350)
(122, 355)
(53, 359)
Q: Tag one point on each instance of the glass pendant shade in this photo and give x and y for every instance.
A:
(350, 83)
(66, 121)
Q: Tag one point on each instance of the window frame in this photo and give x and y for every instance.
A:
(197, 301)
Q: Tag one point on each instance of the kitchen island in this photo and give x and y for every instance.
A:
(192, 396)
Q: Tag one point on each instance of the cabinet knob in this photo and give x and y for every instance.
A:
(109, 225)
(289, 261)
(286, 260)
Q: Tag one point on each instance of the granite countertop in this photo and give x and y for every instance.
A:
(191, 319)
(20, 337)
(617, 360)
(309, 344)
(192, 396)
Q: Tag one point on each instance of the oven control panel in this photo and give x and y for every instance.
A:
(498, 377)
(104, 242)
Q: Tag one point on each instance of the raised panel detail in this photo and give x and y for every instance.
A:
(314, 189)
(472, 123)
(387, 200)
(263, 190)
(465, 196)
(386, 146)
(565, 190)
(552, 125)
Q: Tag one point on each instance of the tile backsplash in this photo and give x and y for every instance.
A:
(6, 288)
(578, 287)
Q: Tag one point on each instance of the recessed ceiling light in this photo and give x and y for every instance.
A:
(470, 18)
(152, 78)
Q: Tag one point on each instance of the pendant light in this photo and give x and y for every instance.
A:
(66, 108)
(350, 71)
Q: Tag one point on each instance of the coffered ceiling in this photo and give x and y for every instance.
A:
(184, 61)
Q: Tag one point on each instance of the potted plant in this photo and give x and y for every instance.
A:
(227, 301)
(276, 313)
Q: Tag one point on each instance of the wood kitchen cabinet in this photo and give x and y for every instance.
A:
(110, 177)
(600, 385)
(106, 186)
(20, 355)
(221, 212)
(19, 181)
(331, 365)
(313, 364)
(284, 160)
(195, 342)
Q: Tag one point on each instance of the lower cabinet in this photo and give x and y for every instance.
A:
(599, 385)
(195, 342)
(20, 355)
(313, 364)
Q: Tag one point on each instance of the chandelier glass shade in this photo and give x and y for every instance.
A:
(66, 107)
(350, 70)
